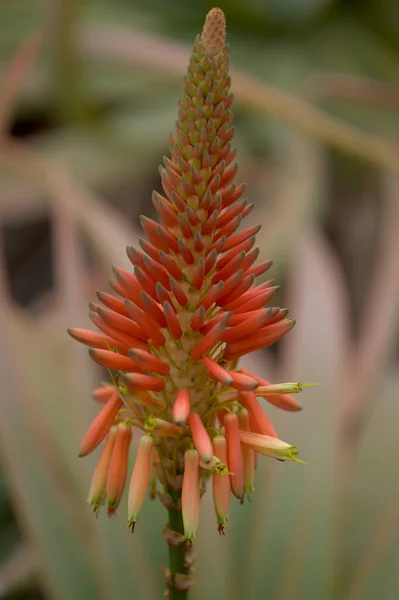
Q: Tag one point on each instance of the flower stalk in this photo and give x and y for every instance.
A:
(179, 554)
(176, 325)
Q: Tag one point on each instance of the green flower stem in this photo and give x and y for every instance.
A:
(176, 555)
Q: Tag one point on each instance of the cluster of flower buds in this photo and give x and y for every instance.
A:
(174, 332)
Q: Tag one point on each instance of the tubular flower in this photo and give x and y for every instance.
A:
(190, 498)
(99, 481)
(140, 479)
(221, 484)
(177, 323)
(118, 466)
(248, 454)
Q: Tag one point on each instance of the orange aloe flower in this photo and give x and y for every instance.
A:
(221, 484)
(117, 469)
(177, 323)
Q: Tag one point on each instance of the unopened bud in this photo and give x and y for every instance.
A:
(214, 31)
(140, 478)
(248, 455)
(234, 457)
(201, 438)
(99, 481)
(190, 494)
(118, 466)
(221, 484)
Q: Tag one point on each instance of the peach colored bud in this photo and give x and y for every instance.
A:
(248, 455)
(118, 466)
(148, 362)
(243, 382)
(96, 340)
(221, 484)
(142, 382)
(101, 425)
(217, 372)
(140, 478)
(234, 457)
(190, 500)
(181, 407)
(111, 360)
(201, 438)
(99, 481)
(210, 339)
(264, 337)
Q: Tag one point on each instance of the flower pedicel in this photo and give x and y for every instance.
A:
(173, 334)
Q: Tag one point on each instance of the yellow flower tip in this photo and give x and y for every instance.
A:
(215, 466)
(282, 388)
(292, 454)
(221, 469)
(214, 32)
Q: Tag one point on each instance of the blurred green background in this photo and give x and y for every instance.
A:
(88, 97)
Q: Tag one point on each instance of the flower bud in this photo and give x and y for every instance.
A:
(234, 457)
(221, 484)
(99, 480)
(190, 494)
(181, 407)
(201, 438)
(248, 455)
(118, 466)
(140, 478)
(101, 425)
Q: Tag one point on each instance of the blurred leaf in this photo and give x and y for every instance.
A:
(17, 570)
(36, 497)
(372, 550)
(301, 496)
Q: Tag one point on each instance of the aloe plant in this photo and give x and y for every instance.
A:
(187, 315)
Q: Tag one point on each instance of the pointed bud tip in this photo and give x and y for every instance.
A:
(131, 525)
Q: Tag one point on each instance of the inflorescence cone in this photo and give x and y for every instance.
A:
(178, 322)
